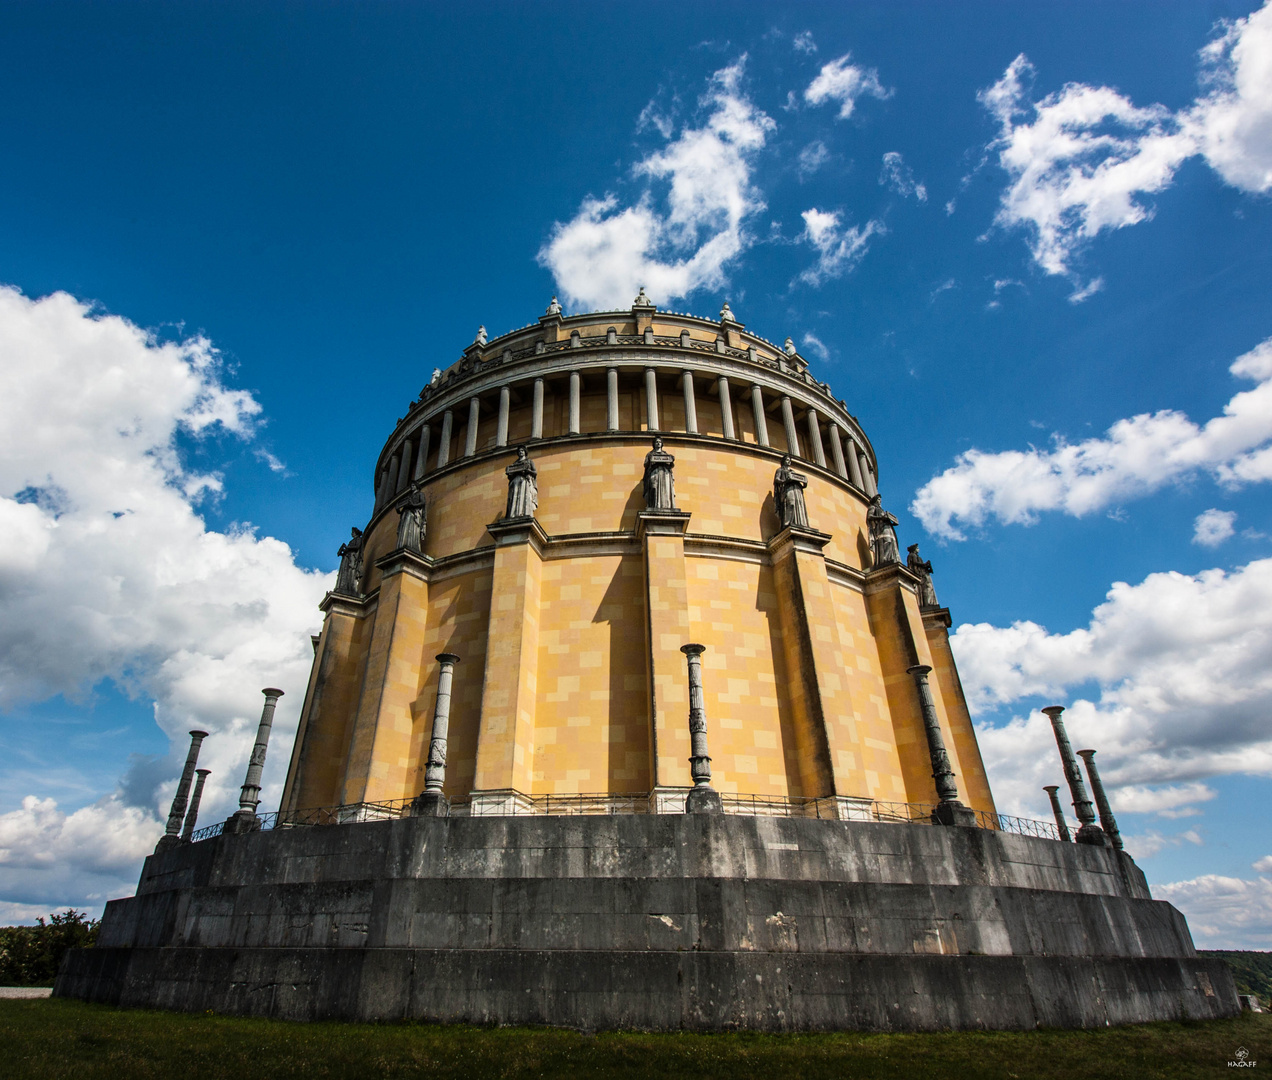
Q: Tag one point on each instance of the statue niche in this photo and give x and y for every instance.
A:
(788, 496)
(523, 487)
(659, 485)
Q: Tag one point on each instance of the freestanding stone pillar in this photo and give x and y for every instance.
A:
(245, 819)
(949, 811)
(172, 833)
(1058, 811)
(1088, 831)
(431, 802)
(1107, 821)
(703, 799)
(192, 815)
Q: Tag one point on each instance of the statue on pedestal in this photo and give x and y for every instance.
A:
(659, 485)
(921, 568)
(350, 573)
(788, 495)
(523, 487)
(412, 522)
(883, 536)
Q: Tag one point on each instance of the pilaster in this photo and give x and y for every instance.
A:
(505, 741)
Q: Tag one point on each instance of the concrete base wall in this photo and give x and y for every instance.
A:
(659, 922)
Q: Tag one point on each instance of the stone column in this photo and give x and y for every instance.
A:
(691, 404)
(837, 451)
(444, 443)
(431, 802)
(867, 476)
(192, 815)
(1056, 809)
(250, 794)
(172, 833)
(703, 799)
(814, 437)
(391, 479)
(474, 418)
(651, 399)
(421, 462)
(788, 419)
(501, 426)
(949, 811)
(404, 470)
(611, 399)
(854, 464)
(726, 407)
(1107, 821)
(1088, 831)
(576, 387)
(536, 411)
(757, 410)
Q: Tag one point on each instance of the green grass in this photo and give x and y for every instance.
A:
(51, 1039)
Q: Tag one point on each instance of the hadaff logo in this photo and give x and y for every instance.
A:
(1243, 1060)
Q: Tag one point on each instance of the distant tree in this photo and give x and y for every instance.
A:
(31, 955)
(1251, 971)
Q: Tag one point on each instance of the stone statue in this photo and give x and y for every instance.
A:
(788, 495)
(921, 568)
(412, 521)
(659, 485)
(523, 487)
(480, 339)
(554, 308)
(883, 536)
(726, 315)
(350, 573)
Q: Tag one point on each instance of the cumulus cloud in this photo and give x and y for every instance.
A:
(815, 345)
(843, 82)
(108, 573)
(813, 157)
(1263, 865)
(839, 248)
(897, 175)
(1083, 160)
(1182, 666)
(1133, 458)
(1212, 527)
(1224, 912)
(679, 244)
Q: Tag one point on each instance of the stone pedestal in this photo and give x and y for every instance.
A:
(704, 800)
(430, 804)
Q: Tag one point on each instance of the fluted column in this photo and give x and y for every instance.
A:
(726, 407)
(444, 443)
(536, 411)
(949, 810)
(390, 482)
(651, 399)
(854, 465)
(815, 439)
(1088, 831)
(703, 799)
(404, 470)
(788, 419)
(691, 404)
(837, 451)
(1058, 811)
(576, 387)
(192, 815)
(176, 814)
(431, 802)
(611, 399)
(1107, 821)
(867, 476)
(474, 418)
(501, 426)
(250, 795)
(757, 410)
(421, 462)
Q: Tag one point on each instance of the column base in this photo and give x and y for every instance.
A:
(167, 843)
(1093, 835)
(241, 823)
(430, 804)
(954, 813)
(704, 800)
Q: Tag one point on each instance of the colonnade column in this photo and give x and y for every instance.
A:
(390, 480)
(431, 802)
(404, 470)
(691, 405)
(536, 411)
(611, 399)
(421, 462)
(501, 426)
(726, 406)
(1088, 831)
(867, 477)
(837, 451)
(788, 419)
(444, 443)
(576, 385)
(854, 465)
(814, 437)
(474, 417)
(757, 410)
(651, 399)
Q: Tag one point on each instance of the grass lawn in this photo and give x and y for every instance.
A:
(51, 1039)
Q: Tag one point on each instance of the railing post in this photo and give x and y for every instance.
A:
(949, 811)
(192, 815)
(703, 799)
(1088, 831)
(1058, 811)
(431, 802)
(1107, 820)
(172, 833)
(245, 819)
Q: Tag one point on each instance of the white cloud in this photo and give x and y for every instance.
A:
(813, 157)
(1183, 668)
(1134, 458)
(1224, 912)
(1263, 865)
(803, 42)
(844, 83)
(1212, 527)
(898, 176)
(815, 345)
(1082, 161)
(839, 249)
(1145, 845)
(606, 252)
(107, 572)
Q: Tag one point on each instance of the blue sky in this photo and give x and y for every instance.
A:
(1027, 243)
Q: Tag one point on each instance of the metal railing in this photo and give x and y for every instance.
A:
(826, 808)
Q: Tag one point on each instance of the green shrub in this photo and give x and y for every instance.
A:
(1251, 971)
(31, 955)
